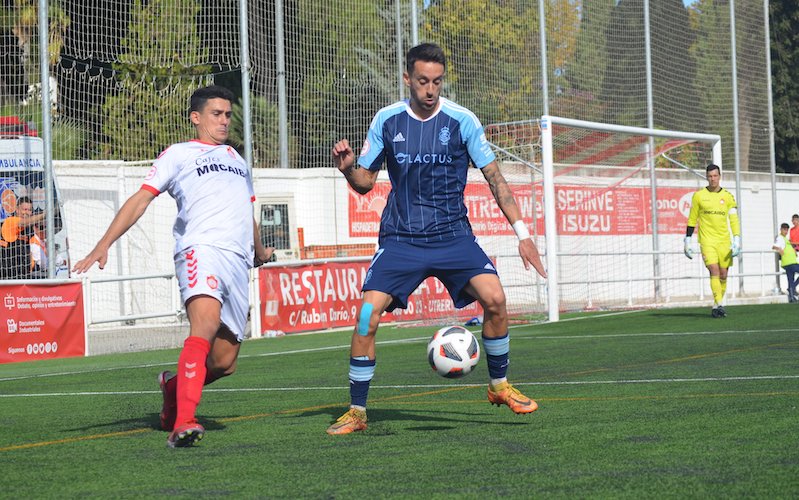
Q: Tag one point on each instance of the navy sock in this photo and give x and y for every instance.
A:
(362, 369)
(497, 354)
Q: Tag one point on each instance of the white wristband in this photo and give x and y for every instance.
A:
(521, 230)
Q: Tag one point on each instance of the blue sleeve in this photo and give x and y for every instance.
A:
(372, 153)
(476, 142)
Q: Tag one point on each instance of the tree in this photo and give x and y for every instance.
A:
(674, 95)
(494, 66)
(586, 71)
(265, 135)
(784, 22)
(157, 72)
(330, 93)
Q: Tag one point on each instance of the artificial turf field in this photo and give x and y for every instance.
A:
(657, 403)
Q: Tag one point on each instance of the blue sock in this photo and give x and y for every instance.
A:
(362, 369)
(497, 350)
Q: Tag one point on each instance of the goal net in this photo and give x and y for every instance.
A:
(592, 187)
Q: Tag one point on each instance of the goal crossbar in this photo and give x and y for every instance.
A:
(547, 124)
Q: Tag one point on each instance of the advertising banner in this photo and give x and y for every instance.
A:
(41, 322)
(328, 295)
(581, 210)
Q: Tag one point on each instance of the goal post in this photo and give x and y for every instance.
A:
(623, 148)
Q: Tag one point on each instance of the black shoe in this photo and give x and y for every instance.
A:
(722, 312)
(715, 312)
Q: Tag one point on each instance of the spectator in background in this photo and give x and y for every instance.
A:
(38, 247)
(793, 235)
(17, 230)
(788, 259)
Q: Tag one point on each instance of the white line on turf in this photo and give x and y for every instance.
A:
(425, 386)
(525, 336)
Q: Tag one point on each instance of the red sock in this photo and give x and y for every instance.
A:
(190, 378)
(172, 384)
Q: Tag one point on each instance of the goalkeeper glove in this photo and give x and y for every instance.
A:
(736, 246)
(687, 248)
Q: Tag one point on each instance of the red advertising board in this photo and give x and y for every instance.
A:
(327, 295)
(580, 210)
(41, 322)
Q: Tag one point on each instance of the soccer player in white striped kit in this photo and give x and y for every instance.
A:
(216, 243)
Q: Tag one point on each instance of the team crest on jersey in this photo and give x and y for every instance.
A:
(444, 136)
(365, 147)
(721, 201)
(151, 173)
(213, 283)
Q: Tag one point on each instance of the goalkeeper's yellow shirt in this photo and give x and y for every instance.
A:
(711, 210)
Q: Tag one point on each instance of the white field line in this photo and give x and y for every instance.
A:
(426, 386)
(526, 336)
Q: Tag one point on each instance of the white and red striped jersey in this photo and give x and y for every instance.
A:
(212, 187)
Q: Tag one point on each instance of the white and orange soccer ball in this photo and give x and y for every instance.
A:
(453, 352)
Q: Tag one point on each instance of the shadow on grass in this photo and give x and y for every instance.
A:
(702, 314)
(150, 421)
(429, 420)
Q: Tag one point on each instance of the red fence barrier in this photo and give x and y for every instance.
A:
(327, 295)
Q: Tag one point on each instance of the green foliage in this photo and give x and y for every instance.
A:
(330, 92)
(67, 135)
(674, 98)
(157, 73)
(714, 72)
(265, 133)
(493, 66)
(784, 18)
(585, 73)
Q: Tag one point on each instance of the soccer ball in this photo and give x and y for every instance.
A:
(453, 352)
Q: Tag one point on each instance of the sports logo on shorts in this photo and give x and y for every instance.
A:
(191, 267)
(213, 283)
(444, 136)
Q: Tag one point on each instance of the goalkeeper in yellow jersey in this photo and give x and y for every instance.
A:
(712, 207)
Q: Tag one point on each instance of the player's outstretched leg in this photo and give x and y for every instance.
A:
(169, 409)
(352, 421)
(190, 381)
(505, 394)
(500, 391)
(362, 369)
(185, 435)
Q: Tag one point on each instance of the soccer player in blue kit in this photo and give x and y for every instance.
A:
(427, 143)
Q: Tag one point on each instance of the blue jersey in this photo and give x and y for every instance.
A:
(427, 162)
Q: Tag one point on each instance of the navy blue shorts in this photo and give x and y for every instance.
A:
(398, 267)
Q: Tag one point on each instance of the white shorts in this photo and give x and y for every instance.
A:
(221, 274)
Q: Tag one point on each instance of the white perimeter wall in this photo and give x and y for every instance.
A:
(92, 192)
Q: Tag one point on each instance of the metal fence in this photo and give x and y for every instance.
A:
(312, 71)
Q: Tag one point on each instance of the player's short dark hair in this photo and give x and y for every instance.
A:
(201, 96)
(712, 166)
(23, 199)
(784, 225)
(795, 216)
(427, 52)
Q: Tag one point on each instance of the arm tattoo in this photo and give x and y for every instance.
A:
(500, 189)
